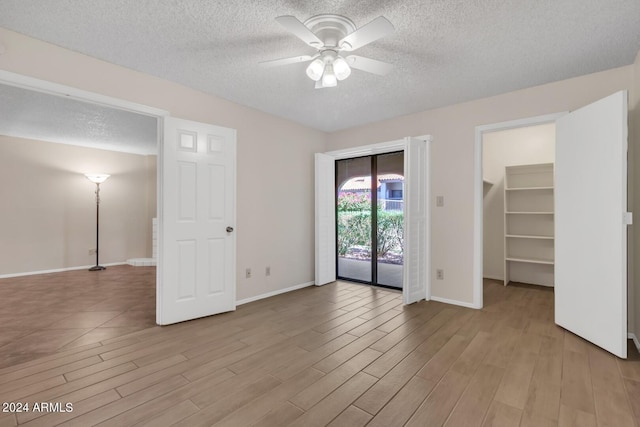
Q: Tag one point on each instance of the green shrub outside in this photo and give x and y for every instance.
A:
(354, 225)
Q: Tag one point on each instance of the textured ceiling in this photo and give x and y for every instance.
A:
(445, 51)
(35, 115)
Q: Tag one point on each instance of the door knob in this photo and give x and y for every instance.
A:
(229, 229)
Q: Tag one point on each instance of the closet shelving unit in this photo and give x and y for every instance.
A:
(528, 224)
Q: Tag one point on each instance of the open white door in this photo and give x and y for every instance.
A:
(196, 274)
(325, 226)
(416, 273)
(590, 226)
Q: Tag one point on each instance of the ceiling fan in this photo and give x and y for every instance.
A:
(332, 35)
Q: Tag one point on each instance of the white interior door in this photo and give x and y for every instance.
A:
(196, 273)
(416, 272)
(325, 225)
(590, 229)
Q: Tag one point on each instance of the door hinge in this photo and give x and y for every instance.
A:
(627, 218)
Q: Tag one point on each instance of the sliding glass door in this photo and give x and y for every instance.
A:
(370, 219)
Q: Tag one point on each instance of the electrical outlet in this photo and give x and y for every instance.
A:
(92, 251)
(439, 201)
(440, 274)
(267, 271)
(247, 273)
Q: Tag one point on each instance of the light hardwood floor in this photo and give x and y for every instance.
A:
(339, 355)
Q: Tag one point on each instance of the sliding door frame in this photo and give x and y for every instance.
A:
(325, 251)
(374, 220)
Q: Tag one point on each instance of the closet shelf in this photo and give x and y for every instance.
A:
(528, 224)
(531, 260)
(529, 213)
(528, 236)
(528, 188)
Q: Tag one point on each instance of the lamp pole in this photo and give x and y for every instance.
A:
(97, 179)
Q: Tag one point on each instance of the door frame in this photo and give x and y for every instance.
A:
(478, 218)
(390, 147)
(44, 86)
(374, 221)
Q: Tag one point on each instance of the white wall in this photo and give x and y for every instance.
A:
(274, 229)
(527, 145)
(452, 157)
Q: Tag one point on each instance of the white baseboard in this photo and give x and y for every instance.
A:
(56, 270)
(454, 302)
(635, 340)
(487, 276)
(274, 293)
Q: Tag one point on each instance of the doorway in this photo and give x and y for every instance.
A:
(518, 196)
(370, 219)
(590, 218)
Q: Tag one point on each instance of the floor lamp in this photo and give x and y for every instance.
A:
(97, 179)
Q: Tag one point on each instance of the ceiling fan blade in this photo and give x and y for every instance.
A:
(287, 61)
(369, 65)
(374, 30)
(293, 25)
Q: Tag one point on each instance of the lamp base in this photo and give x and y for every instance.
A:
(97, 268)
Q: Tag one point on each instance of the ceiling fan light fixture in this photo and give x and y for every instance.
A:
(329, 78)
(315, 69)
(341, 68)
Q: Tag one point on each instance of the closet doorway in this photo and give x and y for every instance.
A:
(518, 204)
(370, 219)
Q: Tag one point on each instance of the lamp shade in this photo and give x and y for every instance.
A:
(315, 69)
(341, 68)
(329, 78)
(97, 178)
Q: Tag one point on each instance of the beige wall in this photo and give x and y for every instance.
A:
(48, 206)
(274, 228)
(452, 159)
(527, 145)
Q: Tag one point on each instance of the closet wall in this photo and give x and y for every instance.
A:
(527, 145)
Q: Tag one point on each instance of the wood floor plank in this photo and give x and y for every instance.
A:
(402, 331)
(79, 408)
(577, 389)
(220, 408)
(172, 415)
(351, 417)
(391, 383)
(313, 357)
(327, 384)
(633, 389)
(435, 369)
(611, 404)
(571, 417)
(336, 359)
(261, 406)
(435, 410)
(325, 411)
(282, 415)
(404, 403)
(473, 354)
(8, 420)
(514, 388)
(153, 406)
(502, 415)
(117, 407)
(102, 381)
(476, 399)
(414, 340)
